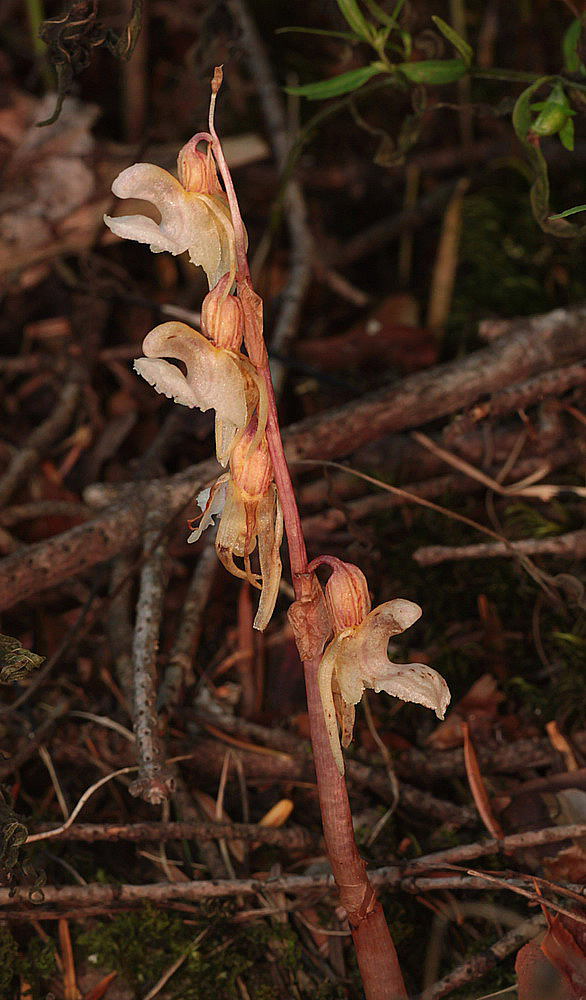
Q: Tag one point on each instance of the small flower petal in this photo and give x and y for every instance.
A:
(325, 676)
(269, 526)
(366, 664)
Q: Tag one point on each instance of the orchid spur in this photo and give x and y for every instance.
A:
(356, 658)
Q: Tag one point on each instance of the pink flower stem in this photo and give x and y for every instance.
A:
(375, 951)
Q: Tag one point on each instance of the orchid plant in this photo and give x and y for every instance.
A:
(255, 498)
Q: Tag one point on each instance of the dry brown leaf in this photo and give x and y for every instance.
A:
(478, 708)
(100, 989)
(478, 788)
(208, 806)
(560, 743)
(277, 814)
(70, 990)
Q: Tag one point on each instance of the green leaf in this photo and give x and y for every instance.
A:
(381, 38)
(433, 70)
(569, 211)
(459, 43)
(347, 36)
(539, 191)
(353, 15)
(553, 113)
(566, 135)
(522, 109)
(337, 85)
(389, 19)
(570, 47)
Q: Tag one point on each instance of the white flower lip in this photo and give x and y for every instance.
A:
(216, 379)
(357, 659)
(199, 223)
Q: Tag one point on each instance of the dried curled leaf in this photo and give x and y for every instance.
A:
(14, 862)
(15, 661)
(310, 623)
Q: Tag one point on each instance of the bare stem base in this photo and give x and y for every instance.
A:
(375, 951)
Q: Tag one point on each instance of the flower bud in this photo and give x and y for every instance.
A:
(251, 468)
(222, 317)
(347, 597)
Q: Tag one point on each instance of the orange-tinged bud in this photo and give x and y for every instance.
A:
(197, 171)
(250, 464)
(347, 597)
(222, 317)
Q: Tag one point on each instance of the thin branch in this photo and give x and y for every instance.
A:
(292, 838)
(570, 546)
(29, 454)
(179, 667)
(477, 966)
(97, 894)
(154, 782)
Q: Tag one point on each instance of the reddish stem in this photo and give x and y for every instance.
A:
(377, 958)
(375, 951)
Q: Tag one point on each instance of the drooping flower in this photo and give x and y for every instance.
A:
(357, 659)
(216, 378)
(251, 518)
(194, 212)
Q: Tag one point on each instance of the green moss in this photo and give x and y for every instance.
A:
(141, 945)
(36, 966)
(507, 265)
(8, 956)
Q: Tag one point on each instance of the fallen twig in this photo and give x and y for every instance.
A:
(154, 782)
(571, 545)
(416, 400)
(28, 454)
(179, 667)
(477, 966)
(293, 838)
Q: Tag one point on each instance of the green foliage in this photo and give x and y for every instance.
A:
(572, 61)
(569, 690)
(36, 967)
(142, 944)
(433, 71)
(337, 85)
(532, 121)
(457, 41)
(525, 521)
(8, 959)
(504, 260)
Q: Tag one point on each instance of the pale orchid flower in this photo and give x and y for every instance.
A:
(357, 659)
(250, 518)
(194, 212)
(215, 378)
